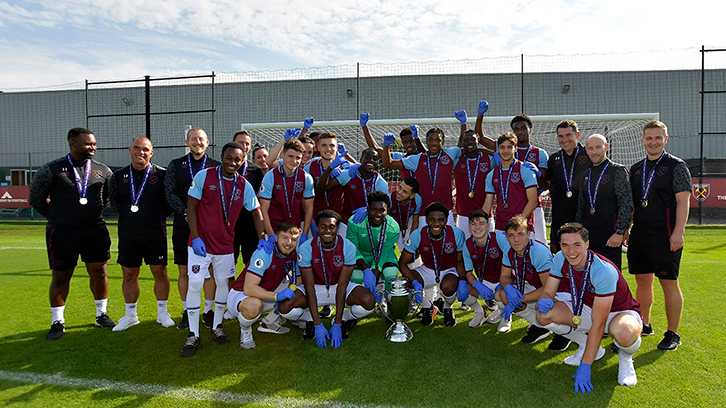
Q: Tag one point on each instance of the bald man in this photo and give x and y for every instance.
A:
(605, 203)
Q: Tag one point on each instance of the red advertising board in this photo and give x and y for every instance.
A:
(710, 192)
(14, 197)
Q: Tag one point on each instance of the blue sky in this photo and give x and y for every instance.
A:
(45, 43)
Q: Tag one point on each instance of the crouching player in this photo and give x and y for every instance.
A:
(595, 299)
(326, 265)
(268, 278)
(440, 246)
(526, 264)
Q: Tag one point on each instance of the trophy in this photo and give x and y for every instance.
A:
(398, 300)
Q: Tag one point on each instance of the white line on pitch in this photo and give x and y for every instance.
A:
(187, 393)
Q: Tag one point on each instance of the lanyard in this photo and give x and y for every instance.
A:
(320, 166)
(290, 266)
(437, 266)
(81, 185)
(433, 177)
(526, 153)
(505, 186)
(403, 218)
(202, 167)
(521, 275)
(647, 184)
(136, 195)
(366, 189)
(590, 196)
(578, 296)
(568, 178)
(471, 179)
(226, 206)
(482, 265)
(381, 237)
(289, 198)
(326, 277)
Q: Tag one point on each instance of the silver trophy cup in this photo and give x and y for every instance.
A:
(398, 300)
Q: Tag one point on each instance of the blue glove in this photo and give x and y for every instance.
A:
(545, 305)
(308, 123)
(287, 293)
(483, 107)
(321, 336)
(532, 167)
(582, 378)
(289, 134)
(389, 139)
(462, 292)
(483, 290)
(369, 280)
(336, 335)
(339, 160)
(199, 248)
(514, 296)
(353, 170)
(497, 159)
(364, 119)
(266, 246)
(414, 131)
(508, 310)
(418, 287)
(378, 296)
(359, 214)
(335, 172)
(461, 116)
(341, 149)
(303, 238)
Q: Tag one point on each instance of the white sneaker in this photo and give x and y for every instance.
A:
(495, 316)
(246, 341)
(504, 325)
(274, 328)
(165, 320)
(126, 322)
(270, 318)
(626, 370)
(477, 320)
(575, 359)
(228, 315)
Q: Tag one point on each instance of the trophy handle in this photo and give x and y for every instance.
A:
(418, 305)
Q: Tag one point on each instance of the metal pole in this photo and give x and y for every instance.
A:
(522, 79)
(700, 172)
(30, 174)
(147, 86)
(87, 104)
(213, 142)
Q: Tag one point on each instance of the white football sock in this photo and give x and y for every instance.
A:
(57, 313)
(449, 301)
(208, 305)
(473, 304)
(194, 301)
(161, 306)
(101, 306)
(356, 312)
(244, 322)
(131, 309)
(184, 304)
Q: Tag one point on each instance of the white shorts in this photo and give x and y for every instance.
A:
(235, 297)
(429, 276)
(463, 223)
(327, 298)
(198, 267)
(540, 229)
(402, 238)
(586, 315)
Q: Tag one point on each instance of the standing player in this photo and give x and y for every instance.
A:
(606, 201)
(526, 264)
(245, 243)
(326, 264)
(566, 168)
(527, 153)
(595, 299)
(661, 192)
(483, 264)
(405, 208)
(514, 185)
(269, 277)
(292, 191)
(215, 198)
(374, 237)
(440, 246)
(411, 145)
(78, 187)
(179, 176)
(433, 170)
(332, 199)
(470, 175)
(137, 193)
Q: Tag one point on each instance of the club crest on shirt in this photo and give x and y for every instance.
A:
(483, 167)
(237, 195)
(195, 269)
(259, 263)
(97, 174)
(605, 179)
(494, 252)
(445, 159)
(661, 170)
(582, 159)
(449, 247)
(337, 261)
(515, 177)
(153, 179)
(532, 157)
(299, 186)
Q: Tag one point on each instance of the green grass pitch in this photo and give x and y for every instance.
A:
(440, 367)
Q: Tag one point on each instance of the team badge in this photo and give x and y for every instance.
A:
(153, 179)
(661, 170)
(515, 177)
(483, 167)
(337, 261)
(299, 186)
(448, 247)
(581, 159)
(195, 269)
(445, 160)
(701, 191)
(97, 174)
(237, 194)
(493, 252)
(532, 157)
(259, 263)
(605, 179)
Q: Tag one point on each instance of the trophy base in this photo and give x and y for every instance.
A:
(399, 333)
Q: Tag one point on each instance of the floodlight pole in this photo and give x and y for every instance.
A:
(147, 87)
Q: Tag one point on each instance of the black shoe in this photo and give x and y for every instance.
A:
(449, 318)
(439, 303)
(647, 330)
(191, 345)
(490, 304)
(208, 319)
(218, 336)
(670, 341)
(614, 348)
(104, 322)
(309, 332)
(56, 330)
(535, 334)
(184, 323)
(559, 343)
(428, 314)
(346, 326)
(325, 312)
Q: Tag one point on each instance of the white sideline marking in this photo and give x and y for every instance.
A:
(10, 247)
(197, 394)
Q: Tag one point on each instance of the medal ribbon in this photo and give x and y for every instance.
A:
(202, 167)
(526, 153)
(289, 198)
(226, 207)
(320, 166)
(326, 277)
(81, 185)
(289, 266)
(367, 190)
(136, 195)
(647, 184)
(521, 276)
(381, 237)
(505, 186)
(590, 196)
(482, 266)
(469, 178)
(578, 296)
(435, 175)
(437, 266)
(568, 179)
(403, 219)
